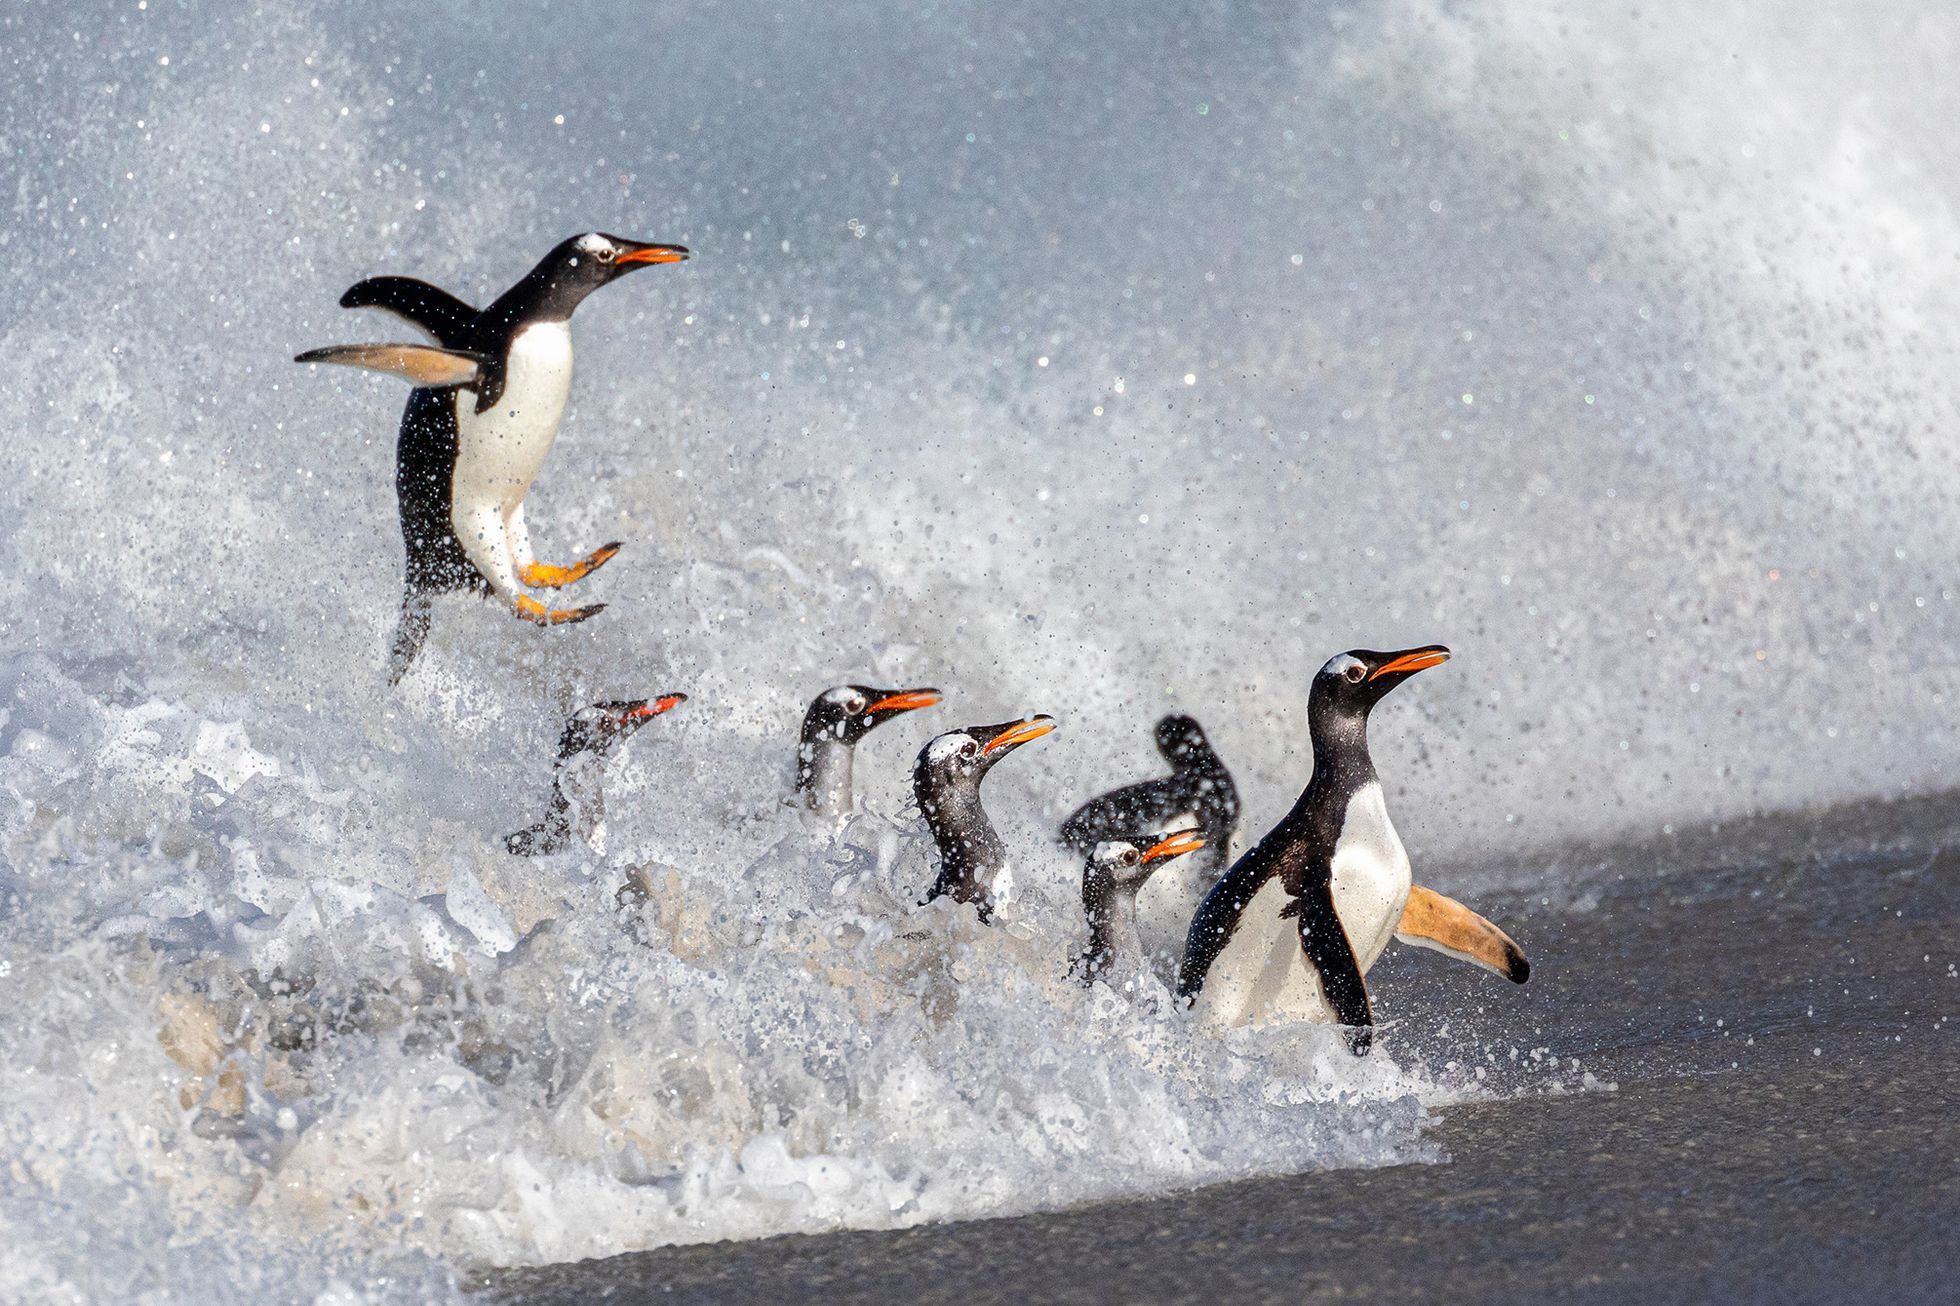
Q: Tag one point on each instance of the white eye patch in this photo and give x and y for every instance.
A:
(1339, 664)
(947, 747)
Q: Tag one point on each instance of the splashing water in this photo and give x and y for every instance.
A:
(1072, 363)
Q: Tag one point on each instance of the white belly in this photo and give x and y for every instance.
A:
(499, 452)
(1262, 977)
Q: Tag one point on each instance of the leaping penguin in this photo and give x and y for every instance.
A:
(489, 395)
(1198, 786)
(837, 719)
(576, 806)
(1328, 883)
(1115, 870)
(946, 780)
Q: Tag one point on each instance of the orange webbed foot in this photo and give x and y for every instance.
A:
(532, 610)
(544, 576)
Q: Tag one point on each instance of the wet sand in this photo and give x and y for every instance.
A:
(1804, 1148)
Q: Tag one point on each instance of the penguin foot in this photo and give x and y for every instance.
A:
(532, 610)
(544, 576)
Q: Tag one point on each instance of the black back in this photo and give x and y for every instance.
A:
(1198, 783)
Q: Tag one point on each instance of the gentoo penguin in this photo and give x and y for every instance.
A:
(1198, 786)
(1328, 883)
(576, 806)
(1445, 925)
(946, 780)
(838, 718)
(1115, 870)
(479, 424)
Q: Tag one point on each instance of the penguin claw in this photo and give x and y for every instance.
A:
(544, 576)
(532, 610)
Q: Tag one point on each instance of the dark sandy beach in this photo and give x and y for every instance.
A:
(1772, 1004)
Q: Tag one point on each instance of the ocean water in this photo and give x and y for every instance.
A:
(1094, 363)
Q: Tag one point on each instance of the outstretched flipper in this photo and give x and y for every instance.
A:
(533, 611)
(544, 576)
(446, 318)
(1325, 942)
(424, 365)
(1447, 926)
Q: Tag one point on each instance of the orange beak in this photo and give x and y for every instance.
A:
(1033, 728)
(1420, 660)
(652, 254)
(647, 711)
(1174, 844)
(906, 700)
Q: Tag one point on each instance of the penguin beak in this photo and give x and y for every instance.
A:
(904, 700)
(1174, 844)
(1020, 732)
(651, 254)
(643, 710)
(1412, 661)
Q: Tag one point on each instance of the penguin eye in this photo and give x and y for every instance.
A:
(605, 254)
(1355, 673)
(1131, 857)
(969, 748)
(855, 706)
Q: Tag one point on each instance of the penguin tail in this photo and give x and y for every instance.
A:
(410, 631)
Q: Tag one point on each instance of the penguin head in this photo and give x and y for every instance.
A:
(1124, 864)
(960, 758)
(1181, 739)
(583, 263)
(1353, 682)
(596, 729)
(850, 712)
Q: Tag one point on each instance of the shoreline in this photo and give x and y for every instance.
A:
(1771, 1004)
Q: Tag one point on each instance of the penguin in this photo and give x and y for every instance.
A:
(837, 719)
(486, 405)
(1115, 870)
(1198, 786)
(1330, 882)
(1445, 925)
(946, 780)
(576, 806)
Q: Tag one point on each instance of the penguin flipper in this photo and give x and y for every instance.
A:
(446, 318)
(424, 365)
(1445, 925)
(1324, 941)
